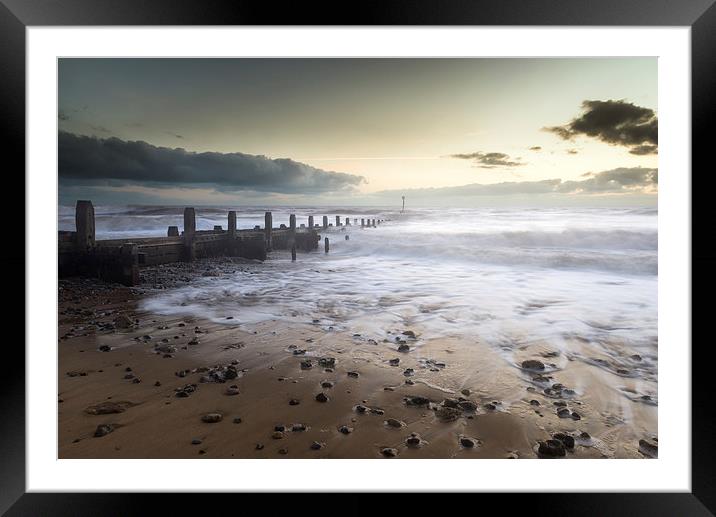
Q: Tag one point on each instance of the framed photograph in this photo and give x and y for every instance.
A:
(427, 247)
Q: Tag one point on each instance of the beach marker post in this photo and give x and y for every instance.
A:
(173, 231)
(292, 230)
(293, 253)
(310, 222)
(325, 244)
(362, 223)
(338, 220)
(348, 221)
(268, 229)
(232, 224)
(325, 222)
(84, 224)
(189, 234)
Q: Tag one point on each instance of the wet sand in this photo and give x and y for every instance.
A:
(154, 379)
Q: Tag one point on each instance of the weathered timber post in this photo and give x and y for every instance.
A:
(84, 224)
(347, 237)
(362, 222)
(325, 244)
(338, 220)
(293, 253)
(355, 220)
(173, 231)
(129, 273)
(292, 230)
(232, 224)
(373, 223)
(268, 229)
(189, 234)
(325, 222)
(348, 221)
(310, 222)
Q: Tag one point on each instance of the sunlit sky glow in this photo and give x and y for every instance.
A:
(400, 124)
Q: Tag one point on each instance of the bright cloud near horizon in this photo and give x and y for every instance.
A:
(360, 131)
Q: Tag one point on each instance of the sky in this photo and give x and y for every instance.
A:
(459, 132)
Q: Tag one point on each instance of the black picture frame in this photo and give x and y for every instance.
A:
(699, 15)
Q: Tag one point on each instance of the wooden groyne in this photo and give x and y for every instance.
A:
(119, 260)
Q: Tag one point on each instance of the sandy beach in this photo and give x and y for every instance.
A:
(133, 384)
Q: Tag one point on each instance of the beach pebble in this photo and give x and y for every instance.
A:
(409, 372)
(564, 413)
(277, 435)
(322, 397)
(105, 348)
(404, 348)
(413, 440)
(467, 405)
(327, 362)
(417, 401)
(232, 390)
(448, 414)
(193, 341)
(237, 420)
(196, 441)
(393, 422)
(566, 439)
(354, 375)
(551, 449)
(345, 429)
(259, 446)
(327, 384)
(294, 402)
(361, 409)
(394, 362)
(532, 364)
(467, 442)
(389, 452)
(307, 364)
(212, 418)
(297, 428)
(103, 430)
(317, 446)
(466, 392)
(107, 408)
(409, 333)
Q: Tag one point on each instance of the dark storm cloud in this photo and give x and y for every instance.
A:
(488, 160)
(621, 180)
(62, 115)
(86, 160)
(100, 129)
(614, 122)
(175, 135)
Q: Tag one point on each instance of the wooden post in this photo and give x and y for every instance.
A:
(232, 224)
(310, 222)
(84, 224)
(373, 223)
(338, 220)
(268, 229)
(348, 221)
(173, 231)
(189, 234)
(325, 244)
(293, 253)
(325, 222)
(347, 237)
(362, 222)
(129, 274)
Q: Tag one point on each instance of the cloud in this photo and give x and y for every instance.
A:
(488, 160)
(100, 129)
(615, 122)
(624, 180)
(84, 160)
(174, 134)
